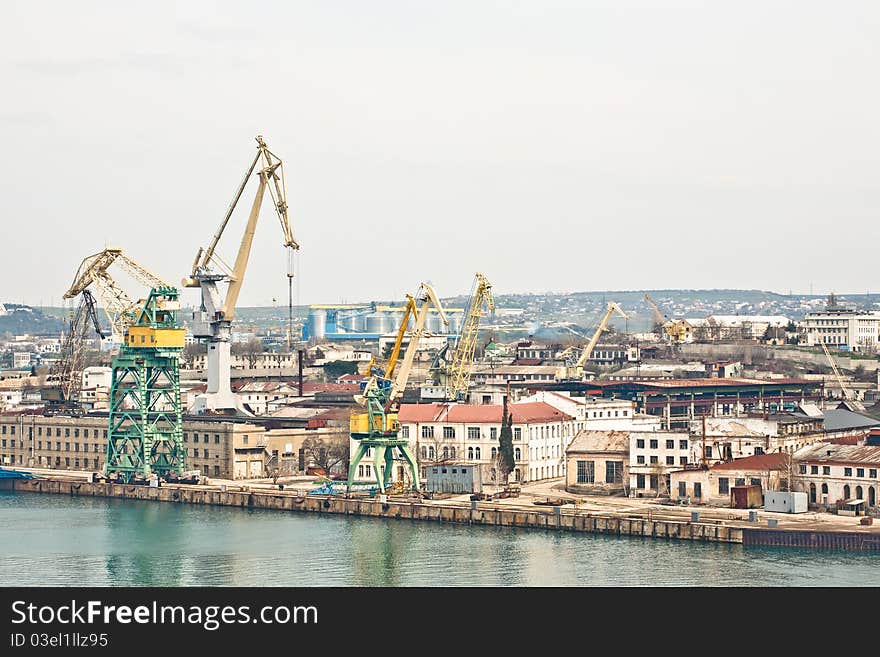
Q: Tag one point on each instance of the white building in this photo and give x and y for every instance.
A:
(843, 328)
(596, 414)
(831, 472)
(462, 433)
(21, 359)
(97, 377)
(653, 456)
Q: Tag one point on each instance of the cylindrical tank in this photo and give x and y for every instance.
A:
(317, 323)
(377, 323)
(454, 323)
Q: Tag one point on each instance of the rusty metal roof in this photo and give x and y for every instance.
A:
(840, 454)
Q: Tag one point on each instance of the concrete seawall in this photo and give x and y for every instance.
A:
(544, 518)
(554, 518)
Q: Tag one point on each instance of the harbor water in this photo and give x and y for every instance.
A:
(54, 540)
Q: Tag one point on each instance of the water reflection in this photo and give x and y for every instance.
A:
(57, 540)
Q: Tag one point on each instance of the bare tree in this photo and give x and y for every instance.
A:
(326, 451)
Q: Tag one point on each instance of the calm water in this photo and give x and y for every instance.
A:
(57, 540)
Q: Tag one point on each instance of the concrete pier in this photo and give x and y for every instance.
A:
(552, 518)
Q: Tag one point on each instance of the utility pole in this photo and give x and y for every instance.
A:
(289, 298)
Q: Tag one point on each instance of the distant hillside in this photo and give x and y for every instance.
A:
(22, 319)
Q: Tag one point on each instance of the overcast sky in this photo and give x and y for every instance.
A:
(553, 146)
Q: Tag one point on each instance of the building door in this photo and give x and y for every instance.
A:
(812, 493)
(256, 469)
(698, 490)
(872, 500)
(240, 470)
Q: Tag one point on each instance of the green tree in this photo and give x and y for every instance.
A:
(505, 460)
(336, 368)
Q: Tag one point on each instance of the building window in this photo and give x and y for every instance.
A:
(640, 443)
(847, 472)
(473, 433)
(85, 433)
(586, 472)
(682, 444)
(824, 489)
(654, 443)
(670, 460)
(75, 433)
(723, 485)
(640, 459)
(860, 472)
(185, 437)
(404, 433)
(803, 469)
(66, 447)
(67, 433)
(517, 454)
(517, 433)
(708, 452)
(613, 472)
(494, 453)
(741, 481)
(682, 489)
(206, 452)
(244, 439)
(217, 438)
(654, 482)
(754, 482)
(493, 433)
(826, 469)
(670, 444)
(872, 473)
(682, 460)
(431, 454)
(445, 451)
(427, 432)
(698, 490)
(814, 469)
(477, 453)
(640, 481)
(654, 460)
(216, 470)
(195, 453)
(470, 453)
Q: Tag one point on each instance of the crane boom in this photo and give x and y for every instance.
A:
(120, 308)
(844, 390)
(585, 354)
(428, 297)
(459, 373)
(659, 317)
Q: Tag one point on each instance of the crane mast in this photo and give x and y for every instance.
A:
(213, 321)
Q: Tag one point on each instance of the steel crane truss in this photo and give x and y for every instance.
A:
(146, 421)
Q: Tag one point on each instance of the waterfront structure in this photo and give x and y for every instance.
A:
(453, 432)
(727, 438)
(711, 485)
(653, 456)
(831, 473)
(597, 462)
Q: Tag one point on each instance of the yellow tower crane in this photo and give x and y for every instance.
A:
(576, 371)
(677, 330)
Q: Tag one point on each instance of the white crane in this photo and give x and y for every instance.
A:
(213, 321)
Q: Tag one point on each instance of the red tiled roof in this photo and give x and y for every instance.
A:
(760, 462)
(523, 413)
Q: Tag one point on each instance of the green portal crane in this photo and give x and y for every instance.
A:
(377, 429)
(145, 434)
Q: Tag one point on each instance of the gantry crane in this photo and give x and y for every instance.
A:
(120, 308)
(144, 434)
(377, 428)
(677, 330)
(213, 321)
(576, 371)
(453, 378)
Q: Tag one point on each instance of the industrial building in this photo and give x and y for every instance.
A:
(221, 448)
